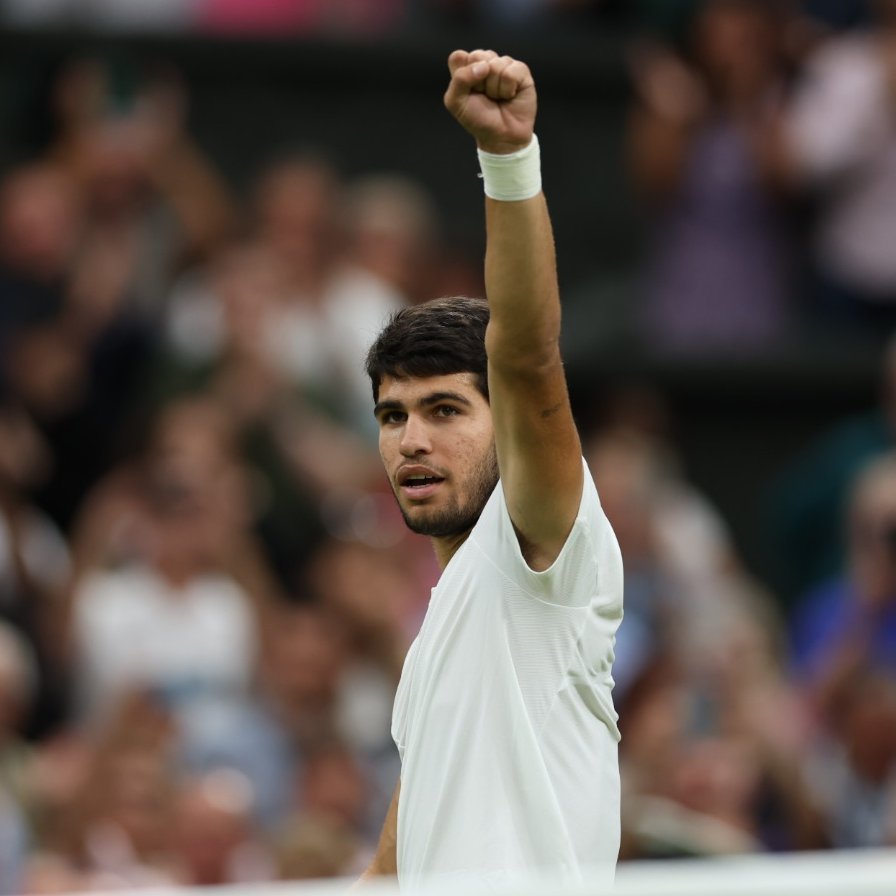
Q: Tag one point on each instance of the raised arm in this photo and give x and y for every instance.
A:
(539, 455)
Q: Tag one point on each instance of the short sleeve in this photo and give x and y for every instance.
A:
(588, 567)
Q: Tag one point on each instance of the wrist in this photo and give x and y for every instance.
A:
(512, 176)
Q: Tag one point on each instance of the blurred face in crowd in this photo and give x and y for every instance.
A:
(333, 786)
(193, 487)
(305, 657)
(114, 168)
(625, 464)
(15, 683)
(872, 532)
(391, 229)
(212, 821)
(47, 367)
(735, 41)
(138, 790)
(718, 777)
(866, 725)
(367, 585)
(24, 454)
(39, 221)
(296, 211)
(249, 282)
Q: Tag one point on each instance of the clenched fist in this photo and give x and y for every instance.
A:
(493, 97)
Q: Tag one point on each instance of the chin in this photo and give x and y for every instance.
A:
(447, 524)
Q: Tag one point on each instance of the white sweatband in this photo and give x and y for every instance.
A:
(514, 176)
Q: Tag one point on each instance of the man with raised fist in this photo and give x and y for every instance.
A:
(504, 717)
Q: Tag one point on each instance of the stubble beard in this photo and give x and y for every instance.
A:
(457, 519)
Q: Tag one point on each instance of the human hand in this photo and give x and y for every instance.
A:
(666, 85)
(493, 97)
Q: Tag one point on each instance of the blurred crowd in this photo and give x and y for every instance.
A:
(357, 18)
(206, 591)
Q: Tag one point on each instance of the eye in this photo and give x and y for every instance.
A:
(391, 417)
(445, 410)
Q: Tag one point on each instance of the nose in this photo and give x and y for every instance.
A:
(414, 437)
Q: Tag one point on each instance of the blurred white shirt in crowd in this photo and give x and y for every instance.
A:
(187, 645)
(100, 13)
(842, 133)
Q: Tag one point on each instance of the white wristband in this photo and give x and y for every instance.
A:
(514, 176)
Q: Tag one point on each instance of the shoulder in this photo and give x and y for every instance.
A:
(589, 564)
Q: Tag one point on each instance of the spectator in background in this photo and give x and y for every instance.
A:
(708, 763)
(18, 686)
(350, 257)
(849, 622)
(844, 654)
(40, 219)
(153, 201)
(703, 150)
(216, 840)
(295, 215)
(221, 335)
(34, 561)
(92, 236)
(390, 261)
(107, 822)
(315, 306)
(293, 262)
(182, 612)
(311, 703)
(807, 502)
(686, 587)
(315, 848)
(44, 359)
(841, 142)
(852, 764)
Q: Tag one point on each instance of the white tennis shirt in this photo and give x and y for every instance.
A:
(504, 717)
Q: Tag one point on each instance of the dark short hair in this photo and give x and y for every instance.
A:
(433, 339)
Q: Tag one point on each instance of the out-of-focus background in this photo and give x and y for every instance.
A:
(208, 207)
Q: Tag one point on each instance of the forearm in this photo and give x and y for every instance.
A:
(536, 443)
(521, 282)
(385, 863)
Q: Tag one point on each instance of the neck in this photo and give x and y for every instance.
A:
(447, 546)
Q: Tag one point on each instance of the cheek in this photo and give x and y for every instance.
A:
(476, 451)
(387, 446)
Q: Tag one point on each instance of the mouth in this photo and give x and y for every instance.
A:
(419, 483)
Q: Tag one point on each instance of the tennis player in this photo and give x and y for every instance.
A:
(504, 717)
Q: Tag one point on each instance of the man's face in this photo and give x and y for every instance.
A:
(437, 445)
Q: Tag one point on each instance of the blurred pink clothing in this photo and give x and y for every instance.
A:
(264, 16)
(276, 16)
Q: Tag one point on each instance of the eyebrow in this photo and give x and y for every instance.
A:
(425, 402)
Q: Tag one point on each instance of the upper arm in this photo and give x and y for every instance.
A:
(539, 454)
